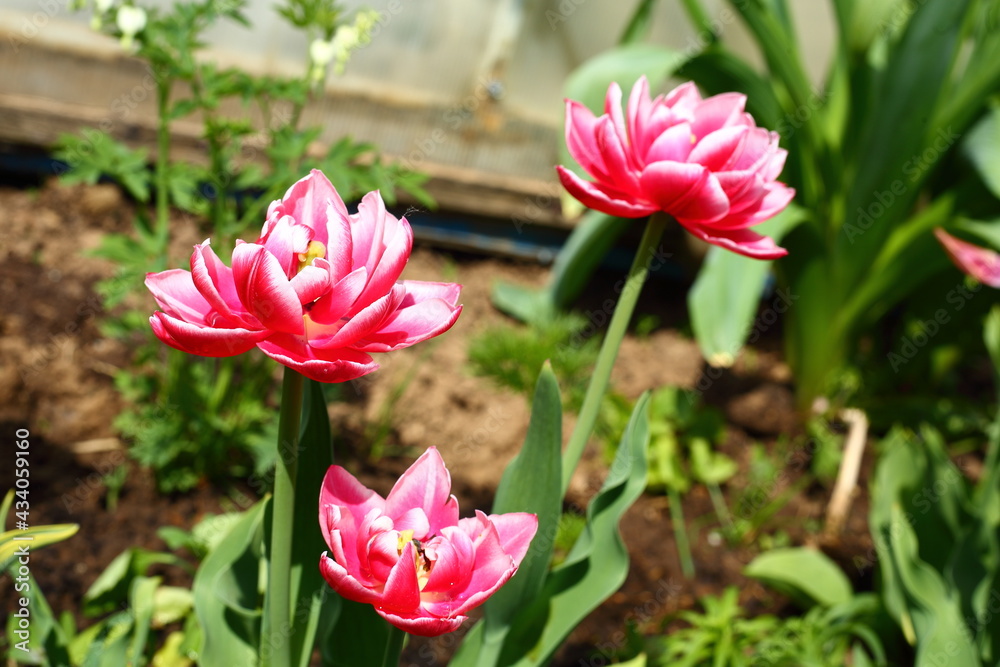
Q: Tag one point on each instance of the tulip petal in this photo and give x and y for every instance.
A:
(425, 484)
(423, 626)
(516, 530)
(673, 145)
(741, 241)
(402, 590)
(215, 282)
(668, 184)
(342, 582)
(285, 240)
(335, 304)
(718, 111)
(340, 244)
(716, 148)
(452, 569)
(336, 365)
(312, 281)
(309, 200)
(343, 489)
(390, 265)
(581, 139)
(602, 198)
(178, 296)
(982, 264)
(776, 197)
(420, 315)
(202, 340)
(362, 324)
(265, 290)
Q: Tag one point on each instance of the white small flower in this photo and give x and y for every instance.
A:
(321, 52)
(131, 21)
(103, 5)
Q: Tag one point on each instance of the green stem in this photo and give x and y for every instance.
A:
(393, 647)
(719, 504)
(278, 608)
(644, 257)
(680, 533)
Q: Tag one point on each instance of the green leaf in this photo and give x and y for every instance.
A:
(142, 607)
(34, 537)
(982, 146)
(932, 607)
(227, 593)
(598, 563)
(531, 483)
(112, 587)
(723, 300)
(806, 575)
(308, 586)
(709, 466)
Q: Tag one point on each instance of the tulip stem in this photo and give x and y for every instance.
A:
(276, 650)
(645, 258)
(393, 647)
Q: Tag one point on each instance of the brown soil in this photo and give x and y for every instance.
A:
(55, 380)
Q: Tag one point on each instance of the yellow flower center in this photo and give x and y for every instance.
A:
(314, 250)
(421, 561)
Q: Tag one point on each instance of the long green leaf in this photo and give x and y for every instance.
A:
(724, 297)
(308, 587)
(531, 483)
(226, 593)
(598, 563)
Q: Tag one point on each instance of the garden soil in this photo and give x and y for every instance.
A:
(56, 372)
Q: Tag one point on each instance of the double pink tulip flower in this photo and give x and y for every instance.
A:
(318, 291)
(409, 554)
(703, 161)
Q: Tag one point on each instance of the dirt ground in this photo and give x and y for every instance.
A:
(56, 380)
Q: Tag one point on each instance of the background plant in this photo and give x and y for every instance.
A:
(257, 143)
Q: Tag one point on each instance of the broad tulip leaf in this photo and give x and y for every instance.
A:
(931, 604)
(723, 300)
(344, 646)
(982, 146)
(226, 598)
(807, 576)
(596, 565)
(308, 586)
(531, 483)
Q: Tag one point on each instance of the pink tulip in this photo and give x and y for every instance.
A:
(409, 554)
(703, 161)
(980, 263)
(318, 291)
